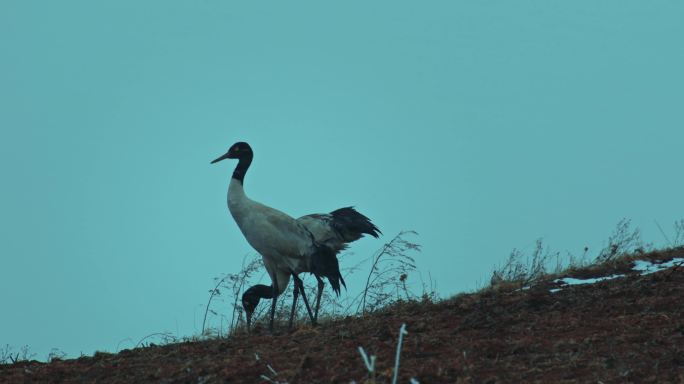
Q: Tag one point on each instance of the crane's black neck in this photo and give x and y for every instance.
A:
(257, 292)
(242, 167)
(263, 291)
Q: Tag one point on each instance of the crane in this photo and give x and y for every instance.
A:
(290, 246)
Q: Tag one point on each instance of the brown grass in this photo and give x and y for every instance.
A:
(629, 329)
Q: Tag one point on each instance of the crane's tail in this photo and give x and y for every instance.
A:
(324, 263)
(351, 225)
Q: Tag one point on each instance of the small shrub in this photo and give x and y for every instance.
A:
(55, 355)
(234, 284)
(624, 240)
(522, 270)
(7, 356)
(679, 233)
(391, 266)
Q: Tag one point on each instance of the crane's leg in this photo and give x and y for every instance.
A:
(321, 284)
(273, 303)
(295, 294)
(299, 285)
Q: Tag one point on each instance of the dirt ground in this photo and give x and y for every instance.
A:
(627, 330)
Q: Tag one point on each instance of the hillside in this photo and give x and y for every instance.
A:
(627, 329)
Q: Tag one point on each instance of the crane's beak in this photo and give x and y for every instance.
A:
(220, 158)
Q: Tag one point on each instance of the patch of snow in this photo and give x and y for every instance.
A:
(573, 281)
(565, 281)
(646, 267)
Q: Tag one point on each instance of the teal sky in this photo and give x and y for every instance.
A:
(483, 125)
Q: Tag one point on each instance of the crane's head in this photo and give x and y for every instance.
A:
(239, 150)
(251, 298)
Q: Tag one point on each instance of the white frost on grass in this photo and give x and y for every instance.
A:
(644, 267)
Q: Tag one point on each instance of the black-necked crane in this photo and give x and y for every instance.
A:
(287, 246)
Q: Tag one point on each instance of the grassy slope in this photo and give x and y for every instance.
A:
(625, 330)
